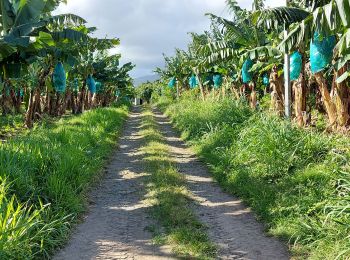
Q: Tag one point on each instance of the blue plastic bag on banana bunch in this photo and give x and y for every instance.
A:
(321, 52)
(193, 82)
(296, 63)
(91, 84)
(217, 79)
(246, 74)
(172, 83)
(59, 78)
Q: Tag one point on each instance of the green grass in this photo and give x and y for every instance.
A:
(11, 125)
(171, 199)
(296, 180)
(44, 175)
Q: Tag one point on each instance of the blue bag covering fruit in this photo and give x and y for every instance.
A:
(172, 83)
(296, 63)
(321, 52)
(217, 80)
(193, 82)
(91, 84)
(59, 78)
(246, 74)
(266, 80)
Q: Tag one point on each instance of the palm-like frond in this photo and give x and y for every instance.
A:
(329, 19)
(279, 17)
(262, 52)
(241, 32)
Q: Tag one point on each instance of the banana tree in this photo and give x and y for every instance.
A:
(25, 31)
(111, 76)
(88, 50)
(275, 21)
(331, 19)
(177, 67)
(239, 36)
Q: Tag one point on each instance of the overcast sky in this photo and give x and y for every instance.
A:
(149, 28)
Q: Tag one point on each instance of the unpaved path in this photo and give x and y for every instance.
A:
(231, 224)
(116, 226)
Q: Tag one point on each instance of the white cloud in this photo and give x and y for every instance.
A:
(148, 28)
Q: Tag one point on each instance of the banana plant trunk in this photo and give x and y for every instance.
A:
(30, 110)
(300, 96)
(234, 91)
(37, 105)
(74, 102)
(81, 100)
(330, 107)
(341, 99)
(277, 90)
(6, 103)
(19, 100)
(253, 96)
(201, 87)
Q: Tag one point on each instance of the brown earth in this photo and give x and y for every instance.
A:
(116, 225)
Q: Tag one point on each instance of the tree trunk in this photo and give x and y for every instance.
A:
(29, 113)
(341, 99)
(81, 100)
(300, 95)
(37, 111)
(86, 100)
(66, 102)
(253, 96)
(327, 100)
(47, 101)
(60, 99)
(6, 100)
(234, 91)
(201, 87)
(74, 102)
(16, 100)
(277, 96)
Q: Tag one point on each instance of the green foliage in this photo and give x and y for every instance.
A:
(296, 180)
(47, 172)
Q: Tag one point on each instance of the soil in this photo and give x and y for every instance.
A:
(116, 226)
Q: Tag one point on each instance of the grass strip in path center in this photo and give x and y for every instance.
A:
(171, 199)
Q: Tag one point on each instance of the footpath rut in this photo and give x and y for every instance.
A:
(116, 224)
(231, 224)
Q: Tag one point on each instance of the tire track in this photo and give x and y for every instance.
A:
(231, 225)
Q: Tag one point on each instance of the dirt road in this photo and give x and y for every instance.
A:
(116, 225)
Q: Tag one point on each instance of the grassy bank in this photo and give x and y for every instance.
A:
(171, 198)
(43, 178)
(297, 181)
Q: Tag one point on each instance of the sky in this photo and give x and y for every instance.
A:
(149, 28)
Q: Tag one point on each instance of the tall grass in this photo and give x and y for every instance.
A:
(44, 175)
(297, 181)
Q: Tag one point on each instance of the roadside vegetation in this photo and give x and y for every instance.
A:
(56, 83)
(226, 93)
(44, 176)
(295, 180)
(171, 199)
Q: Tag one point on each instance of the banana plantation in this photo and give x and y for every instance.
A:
(53, 64)
(238, 150)
(244, 58)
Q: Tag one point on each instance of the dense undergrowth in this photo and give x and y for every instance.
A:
(296, 180)
(44, 175)
(171, 198)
